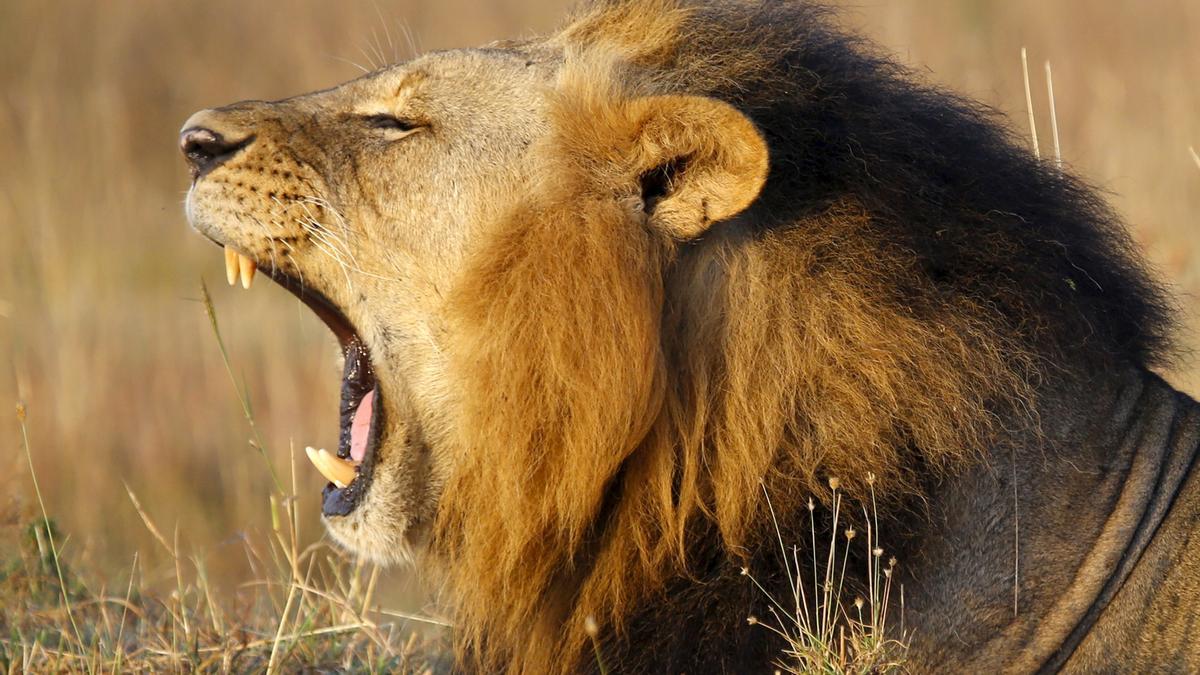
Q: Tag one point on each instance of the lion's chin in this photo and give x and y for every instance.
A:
(376, 530)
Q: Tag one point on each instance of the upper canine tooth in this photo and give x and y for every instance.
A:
(231, 265)
(247, 268)
(335, 469)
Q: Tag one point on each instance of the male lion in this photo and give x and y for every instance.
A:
(602, 293)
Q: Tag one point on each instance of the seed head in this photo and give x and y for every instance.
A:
(877, 552)
(590, 627)
(834, 483)
(20, 412)
(850, 534)
(752, 620)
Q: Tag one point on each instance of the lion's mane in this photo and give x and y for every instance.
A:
(890, 307)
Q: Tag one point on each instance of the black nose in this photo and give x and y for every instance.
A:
(205, 149)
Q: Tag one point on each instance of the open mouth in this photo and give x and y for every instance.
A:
(349, 471)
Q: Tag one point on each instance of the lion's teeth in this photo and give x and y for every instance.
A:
(231, 265)
(335, 469)
(247, 267)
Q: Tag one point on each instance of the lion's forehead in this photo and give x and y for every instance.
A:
(478, 80)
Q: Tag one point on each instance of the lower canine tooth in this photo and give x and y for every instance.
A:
(335, 469)
(231, 265)
(247, 268)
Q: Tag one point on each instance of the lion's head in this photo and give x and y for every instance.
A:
(594, 288)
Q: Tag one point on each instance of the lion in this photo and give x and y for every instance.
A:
(617, 302)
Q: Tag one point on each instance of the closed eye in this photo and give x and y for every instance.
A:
(392, 123)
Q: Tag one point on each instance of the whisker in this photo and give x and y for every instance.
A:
(369, 57)
(325, 205)
(353, 63)
(331, 238)
(318, 239)
(341, 243)
(413, 48)
(269, 238)
(335, 246)
(386, 31)
(378, 48)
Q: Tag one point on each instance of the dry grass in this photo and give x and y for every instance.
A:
(103, 337)
(306, 608)
(830, 628)
(307, 605)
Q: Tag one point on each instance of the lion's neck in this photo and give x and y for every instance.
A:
(1004, 566)
(1019, 557)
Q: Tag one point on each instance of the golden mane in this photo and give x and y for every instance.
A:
(623, 391)
(614, 393)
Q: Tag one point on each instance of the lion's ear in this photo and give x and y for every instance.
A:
(699, 161)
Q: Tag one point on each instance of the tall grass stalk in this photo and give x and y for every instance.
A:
(49, 529)
(1033, 134)
(239, 389)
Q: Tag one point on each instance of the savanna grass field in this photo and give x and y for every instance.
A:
(157, 512)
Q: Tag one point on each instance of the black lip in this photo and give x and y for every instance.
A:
(358, 380)
(337, 501)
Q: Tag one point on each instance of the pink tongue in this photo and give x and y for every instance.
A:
(360, 427)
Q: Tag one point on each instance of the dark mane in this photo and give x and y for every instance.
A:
(941, 176)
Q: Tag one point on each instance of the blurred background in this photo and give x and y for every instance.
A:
(102, 334)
